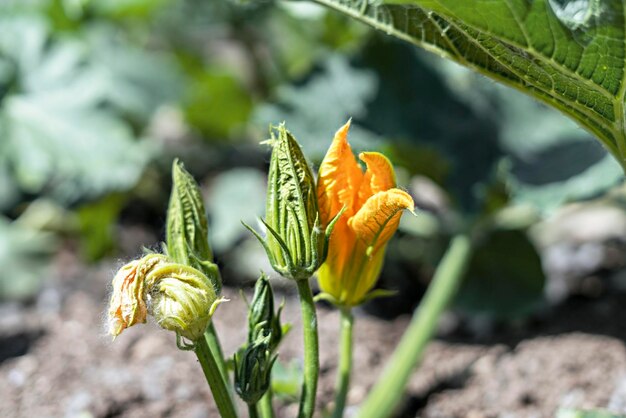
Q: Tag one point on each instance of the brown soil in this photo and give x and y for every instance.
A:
(56, 361)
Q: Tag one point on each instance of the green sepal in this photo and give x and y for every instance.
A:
(377, 294)
(183, 344)
(329, 230)
(326, 297)
(283, 246)
(270, 255)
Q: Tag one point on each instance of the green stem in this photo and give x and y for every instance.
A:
(389, 389)
(265, 405)
(345, 362)
(216, 348)
(311, 350)
(252, 411)
(214, 378)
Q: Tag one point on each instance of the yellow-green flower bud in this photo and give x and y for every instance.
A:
(187, 230)
(253, 367)
(263, 321)
(295, 243)
(180, 298)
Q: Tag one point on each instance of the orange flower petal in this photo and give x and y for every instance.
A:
(367, 279)
(333, 274)
(127, 306)
(378, 218)
(339, 178)
(379, 175)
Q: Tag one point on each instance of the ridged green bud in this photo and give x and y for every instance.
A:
(182, 299)
(179, 297)
(263, 321)
(253, 367)
(187, 230)
(295, 243)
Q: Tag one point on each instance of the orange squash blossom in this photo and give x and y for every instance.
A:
(373, 206)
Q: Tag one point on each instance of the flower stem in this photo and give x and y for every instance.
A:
(214, 378)
(311, 350)
(216, 348)
(252, 411)
(345, 362)
(389, 389)
(265, 405)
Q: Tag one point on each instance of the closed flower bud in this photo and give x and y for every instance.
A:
(253, 367)
(263, 321)
(296, 244)
(187, 230)
(180, 298)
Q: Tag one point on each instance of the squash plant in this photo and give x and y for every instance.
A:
(569, 54)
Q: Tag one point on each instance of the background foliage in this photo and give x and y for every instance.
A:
(97, 97)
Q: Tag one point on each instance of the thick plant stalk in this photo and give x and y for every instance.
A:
(311, 350)
(216, 348)
(252, 410)
(345, 362)
(265, 405)
(389, 389)
(215, 380)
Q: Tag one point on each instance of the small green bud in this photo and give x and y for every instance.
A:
(295, 243)
(187, 230)
(253, 367)
(263, 321)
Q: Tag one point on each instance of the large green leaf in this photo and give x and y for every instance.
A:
(24, 256)
(569, 54)
(64, 116)
(318, 107)
(505, 279)
(550, 160)
(236, 195)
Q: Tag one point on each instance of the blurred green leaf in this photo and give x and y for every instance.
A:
(419, 159)
(302, 33)
(63, 131)
(286, 379)
(97, 225)
(546, 188)
(458, 147)
(126, 8)
(579, 413)
(24, 256)
(133, 80)
(317, 108)
(551, 160)
(296, 45)
(9, 193)
(236, 195)
(505, 278)
(217, 104)
(47, 215)
(423, 225)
